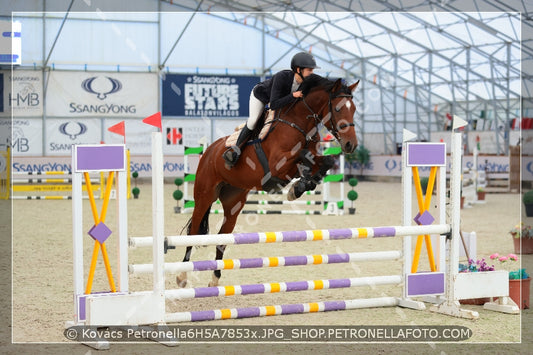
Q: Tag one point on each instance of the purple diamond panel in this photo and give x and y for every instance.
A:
(100, 232)
(424, 219)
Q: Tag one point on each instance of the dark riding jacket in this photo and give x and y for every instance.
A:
(276, 90)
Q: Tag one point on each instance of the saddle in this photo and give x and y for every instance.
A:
(263, 131)
(269, 183)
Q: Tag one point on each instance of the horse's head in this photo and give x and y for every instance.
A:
(335, 107)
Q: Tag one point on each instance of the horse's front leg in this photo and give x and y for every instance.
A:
(323, 164)
(312, 169)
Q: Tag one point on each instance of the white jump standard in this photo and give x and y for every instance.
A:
(443, 284)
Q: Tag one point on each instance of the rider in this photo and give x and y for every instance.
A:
(278, 91)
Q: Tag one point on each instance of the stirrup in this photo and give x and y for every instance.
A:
(230, 157)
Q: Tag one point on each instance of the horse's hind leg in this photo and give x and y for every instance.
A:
(233, 200)
(198, 224)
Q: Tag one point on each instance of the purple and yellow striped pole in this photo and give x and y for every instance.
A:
(294, 236)
(247, 312)
(248, 263)
(275, 287)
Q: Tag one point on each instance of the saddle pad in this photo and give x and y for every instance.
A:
(232, 138)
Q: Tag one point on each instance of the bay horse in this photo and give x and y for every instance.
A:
(288, 152)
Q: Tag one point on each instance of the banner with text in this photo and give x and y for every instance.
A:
(177, 134)
(23, 135)
(61, 134)
(22, 92)
(90, 94)
(207, 96)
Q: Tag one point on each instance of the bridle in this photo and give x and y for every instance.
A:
(335, 128)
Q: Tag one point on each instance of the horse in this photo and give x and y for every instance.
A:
(288, 152)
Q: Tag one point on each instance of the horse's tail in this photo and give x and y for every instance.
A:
(204, 224)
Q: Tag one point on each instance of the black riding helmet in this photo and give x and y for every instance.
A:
(303, 60)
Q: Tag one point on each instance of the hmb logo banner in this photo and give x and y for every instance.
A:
(23, 93)
(98, 94)
(207, 96)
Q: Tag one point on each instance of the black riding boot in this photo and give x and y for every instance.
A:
(232, 154)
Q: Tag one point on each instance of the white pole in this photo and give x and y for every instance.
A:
(122, 222)
(77, 234)
(158, 220)
(455, 214)
(407, 193)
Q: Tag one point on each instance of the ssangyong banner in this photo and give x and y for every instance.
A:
(90, 94)
(207, 95)
(22, 93)
(61, 134)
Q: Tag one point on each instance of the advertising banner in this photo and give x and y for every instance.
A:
(90, 94)
(26, 100)
(63, 133)
(26, 135)
(207, 96)
(177, 134)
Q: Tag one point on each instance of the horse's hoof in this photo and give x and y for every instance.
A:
(181, 280)
(214, 282)
(291, 196)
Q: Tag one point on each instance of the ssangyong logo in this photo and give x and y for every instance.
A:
(73, 129)
(102, 87)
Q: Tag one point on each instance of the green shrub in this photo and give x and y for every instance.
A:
(528, 197)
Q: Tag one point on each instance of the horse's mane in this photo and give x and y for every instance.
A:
(315, 82)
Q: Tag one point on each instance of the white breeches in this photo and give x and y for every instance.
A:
(256, 109)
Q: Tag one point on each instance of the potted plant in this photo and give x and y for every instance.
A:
(522, 238)
(135, 191)
(178, 194)
(481, 194)
(475, 267)
(519, 281)
(527, 199)
(352, 194)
